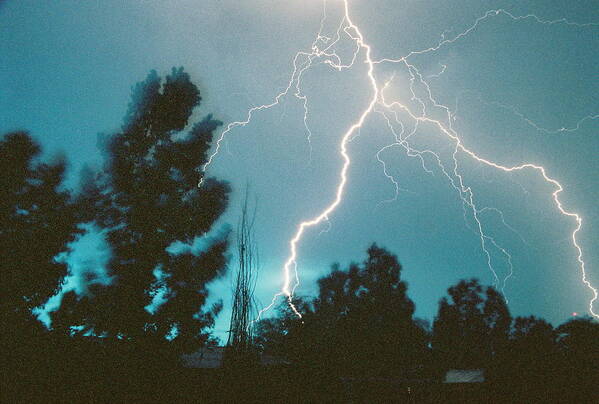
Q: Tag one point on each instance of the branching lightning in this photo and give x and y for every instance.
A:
(538, 127)
(322, 51)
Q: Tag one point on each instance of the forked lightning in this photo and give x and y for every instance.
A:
(322, 50)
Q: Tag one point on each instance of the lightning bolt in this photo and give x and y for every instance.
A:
(437, 75)
(533, 124)
(322, 50)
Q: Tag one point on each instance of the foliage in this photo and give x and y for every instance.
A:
(37, 221)
(147, 197)
(361, 321)
(578, 340)
(471, 328)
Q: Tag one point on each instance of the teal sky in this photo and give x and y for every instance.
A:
(66, 69)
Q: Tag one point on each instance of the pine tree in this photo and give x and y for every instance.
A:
(37, 221)
(148, 199)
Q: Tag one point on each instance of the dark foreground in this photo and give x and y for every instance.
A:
(259, 386)
(122, 374)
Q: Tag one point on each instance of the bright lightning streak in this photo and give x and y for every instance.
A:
(304, 60)
(291, 263)
(487, 15)
(555, 195)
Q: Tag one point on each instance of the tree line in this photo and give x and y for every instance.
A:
(146, 202)
(362, 323)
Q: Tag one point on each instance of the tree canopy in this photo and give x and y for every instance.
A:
(361, 321)
(147, 198)
(37, 221)
(472, 326)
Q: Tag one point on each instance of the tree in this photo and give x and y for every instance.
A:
(148, 198)
(578, 343)
(472, 328)
(37, 221)
(551, 365)
(243, 312)
(285, 335)
(361, 321)
(532, 358)
(498, 321)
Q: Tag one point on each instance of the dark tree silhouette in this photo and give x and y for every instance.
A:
(243, 311)
(149, 200)
(578, 342)
(286, 336)
(543, 364)
(472, 328)
(531, 362)
(498, 321)
(37, 220)
(361, 322)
